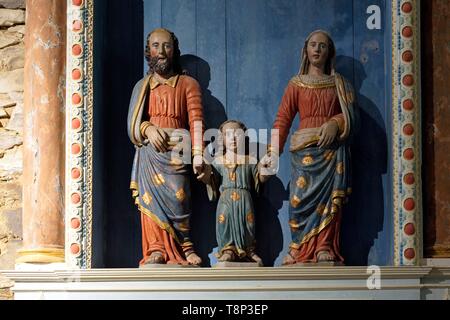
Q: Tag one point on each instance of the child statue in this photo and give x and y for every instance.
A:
(238, 175)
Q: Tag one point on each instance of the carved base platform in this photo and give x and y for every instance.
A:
(320, 282)
(229, 264)
(166, 266)
(314, 264)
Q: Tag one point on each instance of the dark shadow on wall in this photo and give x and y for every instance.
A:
(269, 234)
(267, 203)
(364, 214)
(199, 69)
(98, 174)
(122, 60)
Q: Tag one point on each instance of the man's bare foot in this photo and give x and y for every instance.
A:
(324, 256)
(256, 258)
(228, 255)
(193, 258)
(155, 258)
(288, 259)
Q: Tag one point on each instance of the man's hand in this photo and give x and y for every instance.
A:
(328, 132)
(158, 138)
(198, 164)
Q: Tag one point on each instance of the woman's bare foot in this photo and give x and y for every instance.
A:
(156, 258)
(228, 255)
(288, 259)
(324, 256)
(193, 258)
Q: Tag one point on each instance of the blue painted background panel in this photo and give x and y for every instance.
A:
(243, 53)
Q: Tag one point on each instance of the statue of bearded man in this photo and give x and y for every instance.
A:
(162, 103)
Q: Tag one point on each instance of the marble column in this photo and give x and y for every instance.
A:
(43, 153)
(435, 70)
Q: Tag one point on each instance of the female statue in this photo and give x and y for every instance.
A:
(320, 158)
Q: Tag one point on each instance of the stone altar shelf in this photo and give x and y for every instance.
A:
(415, 282)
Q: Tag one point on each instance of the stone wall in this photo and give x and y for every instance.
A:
(12, 54)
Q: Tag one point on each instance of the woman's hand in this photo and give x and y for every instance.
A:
(328, 132)
(158, 138)
(268, 166)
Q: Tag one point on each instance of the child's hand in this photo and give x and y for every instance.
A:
(205, 176)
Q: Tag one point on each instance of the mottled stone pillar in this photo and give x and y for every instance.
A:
(436, 111)
(43, 152)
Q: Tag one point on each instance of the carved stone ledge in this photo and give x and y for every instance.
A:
(412, 282)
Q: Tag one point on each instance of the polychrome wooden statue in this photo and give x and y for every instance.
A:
(238, 175)
(161, 102)
(320, 158)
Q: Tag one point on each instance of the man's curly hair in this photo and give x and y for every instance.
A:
(176, 51)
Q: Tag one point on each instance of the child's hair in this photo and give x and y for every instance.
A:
(243, 127)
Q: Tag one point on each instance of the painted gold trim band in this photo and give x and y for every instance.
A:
(41, 255)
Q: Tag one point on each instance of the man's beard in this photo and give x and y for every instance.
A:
(162, 68)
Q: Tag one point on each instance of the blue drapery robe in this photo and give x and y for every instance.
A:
(321, 178)
(235, 214)
(160, 184)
